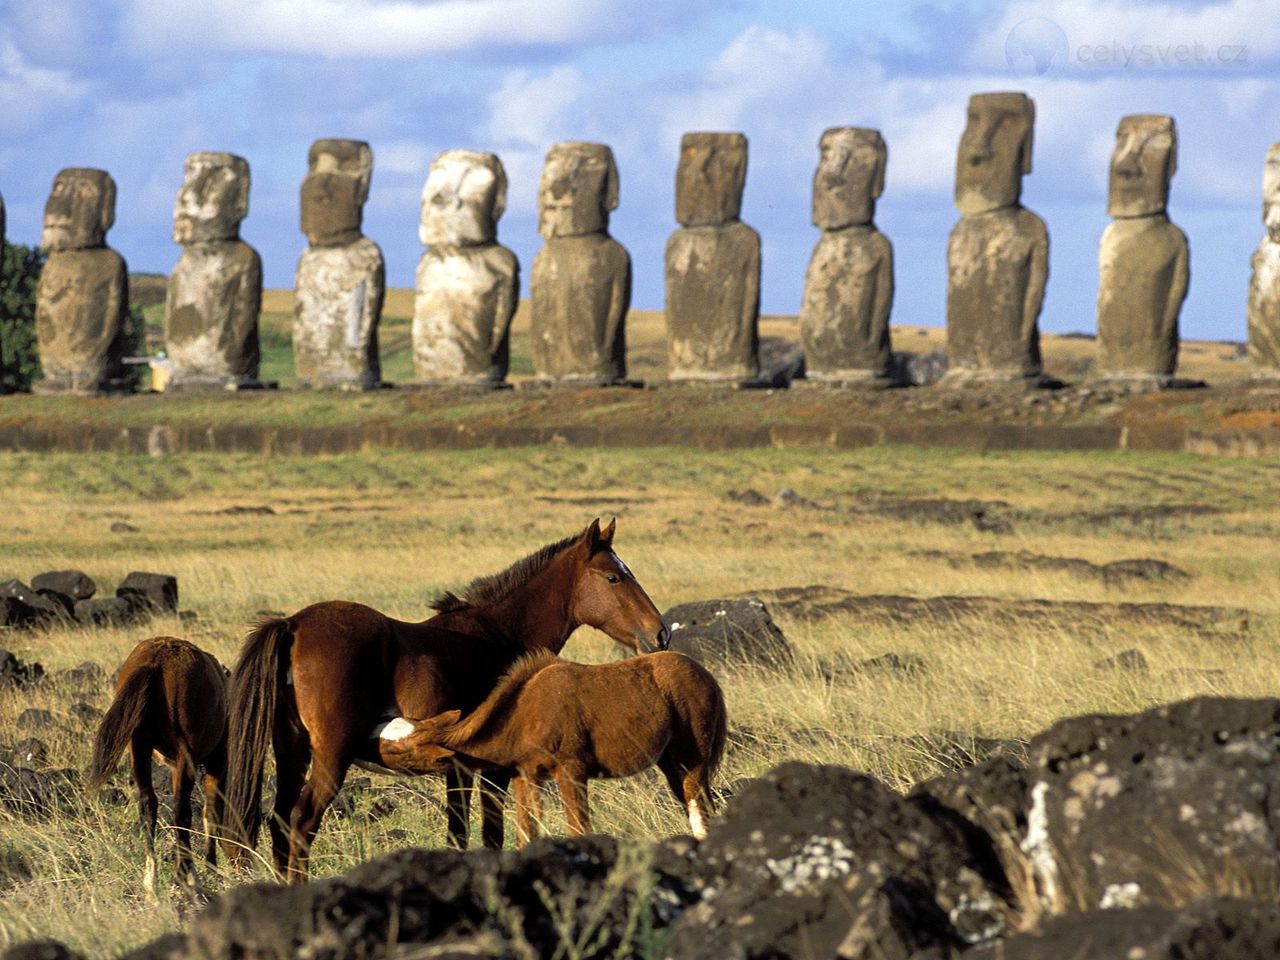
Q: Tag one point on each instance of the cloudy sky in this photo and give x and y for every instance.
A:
(134, 85)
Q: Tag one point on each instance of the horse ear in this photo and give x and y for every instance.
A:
(591, 536)
(607, 533)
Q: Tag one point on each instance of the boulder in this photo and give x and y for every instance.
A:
(158, 590)
(34, 718)
(15, 613)
(105, 611)
(727, 631)
(823, 861)
(41, 950)
(74, 583)
(16, 672)
(1216, 929)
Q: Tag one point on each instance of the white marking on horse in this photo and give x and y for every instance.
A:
(395, 729)
(622, 566)
(697, 826)
(149, 876)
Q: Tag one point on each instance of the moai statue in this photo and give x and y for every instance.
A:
(848, 288)
(82, 298)
(712, 266)
(468, 284)
(581, 281)
(215, 290)
(341, 278)
(1264, 286)
(998, 253)
(1143, 259)
(4, 387)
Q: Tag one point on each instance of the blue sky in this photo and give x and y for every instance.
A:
(133, 86)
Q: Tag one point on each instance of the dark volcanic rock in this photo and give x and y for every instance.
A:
(37, 794)
(30, 752)
(41, 950)
(796, 849)
(83, 675)
(74, 583)
(1217, 929)
(727, 631)
(34, 718)
(159, 590)
(106, 611)
(14, 671)
(1130, 661)
(15, 613)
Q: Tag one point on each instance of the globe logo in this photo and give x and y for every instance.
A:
(1035, 47)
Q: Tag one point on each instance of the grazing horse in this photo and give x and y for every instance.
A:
(313, 686)
(552, 719)
(171, 698)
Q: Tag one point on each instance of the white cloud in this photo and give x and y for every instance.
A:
(379, 28)
(31, 95)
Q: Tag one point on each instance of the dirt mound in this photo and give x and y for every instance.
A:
(1114, 573)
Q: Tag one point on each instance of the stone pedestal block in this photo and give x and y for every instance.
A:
(81, 303)
(1142, 281)
(581, 292)
(211, 315)
(997, 266)
(844, 317)
(713, 303)
(337, 304)
(462, 314)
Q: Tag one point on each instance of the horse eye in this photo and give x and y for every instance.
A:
(613, 578)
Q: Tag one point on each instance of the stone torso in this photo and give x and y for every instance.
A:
(581, 289)
(713, 302)
(848, 292)
(80, 307)
(211, 313)
(1264, 307)
(337, 305)
(462, 313)
(1142, 280)
(997, 265)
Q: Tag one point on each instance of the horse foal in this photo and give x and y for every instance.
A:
(171, 698)
(552, 719)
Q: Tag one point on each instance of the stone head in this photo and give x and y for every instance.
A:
(995, 152)
(1271, 193)
(334, 191)
(849, 178)
(213, 199)
(1143, 163)
(710, 178)
(80, 210)
(463, 199)
(578, 189)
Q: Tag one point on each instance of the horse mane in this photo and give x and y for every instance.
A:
(486, 591)
(500, 697)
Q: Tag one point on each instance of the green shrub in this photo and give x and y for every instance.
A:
(19, 273)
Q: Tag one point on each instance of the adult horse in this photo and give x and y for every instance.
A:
(315, 685)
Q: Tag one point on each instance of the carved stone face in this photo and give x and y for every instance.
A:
(1143, 163)
(1271, 193)
(710, 178)
(463, 199)
(849, 178)
(80, 210)
(335, 190)
(995, 151)
(578, 189)
(213, 199)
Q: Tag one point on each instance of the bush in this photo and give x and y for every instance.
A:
(19, 273)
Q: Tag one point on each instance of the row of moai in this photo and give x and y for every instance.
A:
(468, 283)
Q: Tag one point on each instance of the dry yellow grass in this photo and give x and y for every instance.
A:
(393, 529)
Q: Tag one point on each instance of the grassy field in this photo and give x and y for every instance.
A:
(248, 534)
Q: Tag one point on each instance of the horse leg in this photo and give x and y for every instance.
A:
(293, 754)
(140, 761)
(573, 793)
(327, 774)
(691, 786)
(528, 809)
(458, 781)
(184, 780)
(493, 796)
(211, 813)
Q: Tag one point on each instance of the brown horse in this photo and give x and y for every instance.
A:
(552, 719)
(171, 698)
(314, 685)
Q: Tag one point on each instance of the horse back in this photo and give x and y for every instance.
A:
(187, 706)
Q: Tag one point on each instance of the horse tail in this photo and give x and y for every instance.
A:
(719, 728)
(122, 720)
(255, 688)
